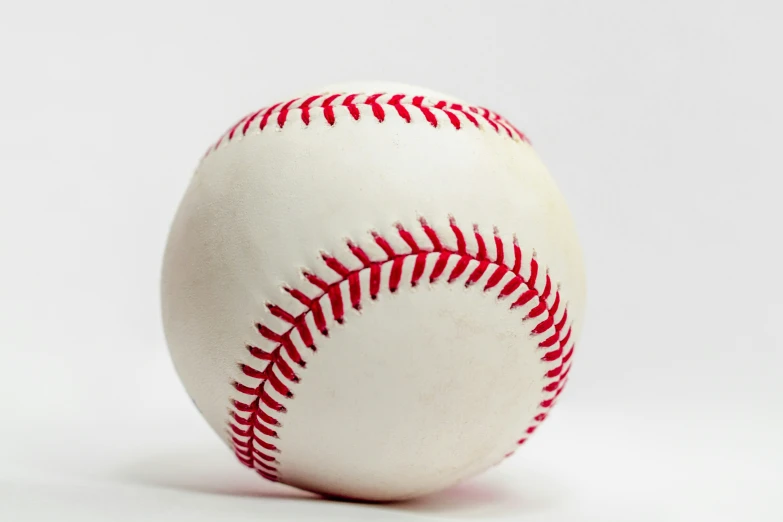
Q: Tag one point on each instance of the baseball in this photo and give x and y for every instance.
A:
(372, 291)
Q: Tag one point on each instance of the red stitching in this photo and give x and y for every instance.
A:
(249, 422)
(435, 112)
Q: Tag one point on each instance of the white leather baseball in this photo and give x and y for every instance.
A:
(372, 291)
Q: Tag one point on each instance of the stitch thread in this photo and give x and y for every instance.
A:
(379, 104)
(246, 431)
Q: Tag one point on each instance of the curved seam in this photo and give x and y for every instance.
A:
(259, 454)
(457, 114)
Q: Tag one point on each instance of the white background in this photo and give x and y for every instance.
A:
(661, 122)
